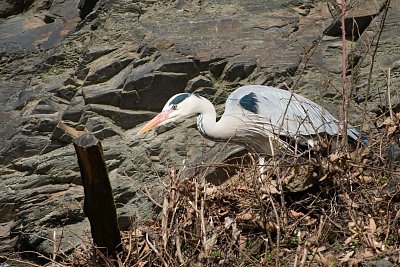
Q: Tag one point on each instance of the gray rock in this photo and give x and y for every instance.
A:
(59, 135)
(28, 95)
(101, 127)
(8, 8)
(239, 68)
(162, 84)
(101, 94)
(10, 118)
(380, 263)
(232, 154)
(167, 75)
(66, 91)
(105, 67)
(46, 106)
(47, 123)
(126, 119)
(176, 63)
(137, 73)
(22, 146)
(7, 212)
(393, 154)
(216, 68)
(198, 82)
(37, 29)
(94, 53)
(129, 99)
(146, 50)
(74, 110)
(7, 243)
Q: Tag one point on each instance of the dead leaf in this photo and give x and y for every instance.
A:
(245, 216)
(350, 239)
(323, 177)
(365, 254)
(387, 121)
(346, 199)
(366, 179)
(311, 221)
(347, 257)
(360, 153)
(334, 157)
(142, 263)
(296, 214)
(228, 222)
(244, 188)
(270, 189)
(137, 232)
(211, 190)
(325, 261)
(354, 262)
(378, 245)
(391, 129)
(372, 225)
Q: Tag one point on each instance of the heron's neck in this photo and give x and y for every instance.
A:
(207, 121)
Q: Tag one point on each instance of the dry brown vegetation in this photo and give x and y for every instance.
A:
(348, 217)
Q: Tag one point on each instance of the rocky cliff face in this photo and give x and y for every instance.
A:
(108, 66)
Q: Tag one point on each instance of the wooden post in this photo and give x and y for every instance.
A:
(99, 204)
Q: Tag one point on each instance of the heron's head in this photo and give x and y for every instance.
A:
(177, 108)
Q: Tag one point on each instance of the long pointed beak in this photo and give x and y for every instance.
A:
(154, 122)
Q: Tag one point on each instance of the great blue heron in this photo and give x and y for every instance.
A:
(264, 118)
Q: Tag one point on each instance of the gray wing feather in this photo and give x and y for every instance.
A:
(282, 112)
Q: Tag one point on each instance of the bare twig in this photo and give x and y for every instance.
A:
(178, 249)
(345, 100)
(298, 250)
(55, 246)
(304, 257)
(164, 222)
(203, 227)
(147, 194)
(388, 94)
(151, 245)
(371, 66)
(25, 263)
(129, 250)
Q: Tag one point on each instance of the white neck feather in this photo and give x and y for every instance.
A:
(207, 121)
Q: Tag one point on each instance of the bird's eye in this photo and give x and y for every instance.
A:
(174, 107)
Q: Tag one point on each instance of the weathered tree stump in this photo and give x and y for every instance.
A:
(99, 204)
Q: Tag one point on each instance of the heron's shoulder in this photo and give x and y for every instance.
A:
(249, 102)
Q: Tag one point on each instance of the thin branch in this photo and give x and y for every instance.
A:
(388, 94)
(371, 66)
(151, 245)
(178, 249)
(345, 100)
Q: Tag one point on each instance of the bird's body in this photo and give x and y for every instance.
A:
(263, 118)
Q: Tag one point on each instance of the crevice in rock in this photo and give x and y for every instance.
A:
(354, 27)
(85, 7)
(9, 8)
(48, 19)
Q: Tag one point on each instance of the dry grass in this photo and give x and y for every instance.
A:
(346, 214)
(348, 217)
